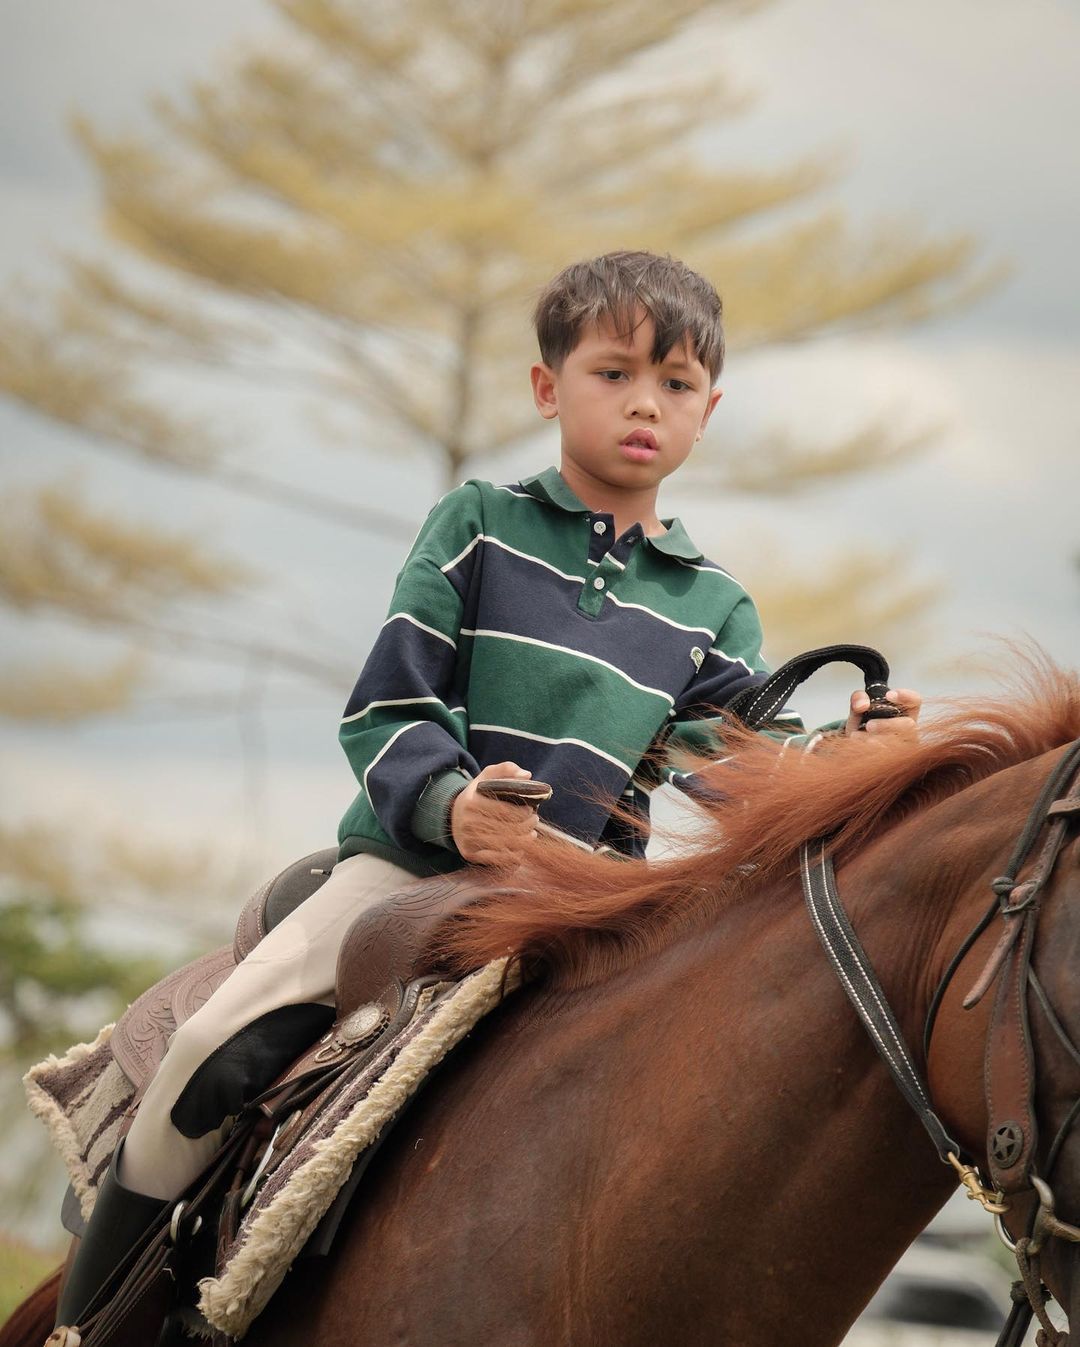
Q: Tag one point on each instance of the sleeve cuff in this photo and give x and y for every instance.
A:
(431, 817)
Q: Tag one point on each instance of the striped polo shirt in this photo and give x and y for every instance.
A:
(522, 629)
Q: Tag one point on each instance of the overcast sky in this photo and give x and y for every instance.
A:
(957, 116)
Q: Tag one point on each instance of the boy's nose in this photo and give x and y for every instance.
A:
(643, 404)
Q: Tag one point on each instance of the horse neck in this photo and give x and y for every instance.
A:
(756, 1098)
(748, 1124)
(915, 896)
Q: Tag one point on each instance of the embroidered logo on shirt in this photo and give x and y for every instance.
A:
(698, 656)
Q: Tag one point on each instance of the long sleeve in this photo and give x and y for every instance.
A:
(734, 662)
(405, 728)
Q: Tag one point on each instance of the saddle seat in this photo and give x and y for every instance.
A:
(382, 953)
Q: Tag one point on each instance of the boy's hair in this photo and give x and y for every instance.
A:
(618, 286)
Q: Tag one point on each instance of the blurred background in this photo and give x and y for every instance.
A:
(265, 278)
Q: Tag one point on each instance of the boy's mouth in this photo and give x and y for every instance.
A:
(640, 445)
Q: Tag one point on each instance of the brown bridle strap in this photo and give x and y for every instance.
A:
(1009, 1068)
(1009, 1063)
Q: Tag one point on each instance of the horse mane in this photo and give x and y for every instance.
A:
(585, 916)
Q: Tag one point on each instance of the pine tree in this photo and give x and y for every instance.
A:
(383, 195)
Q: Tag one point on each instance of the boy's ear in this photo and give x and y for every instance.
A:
(714, 398)
(543, 386)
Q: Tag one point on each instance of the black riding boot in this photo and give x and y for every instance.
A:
(119, 1218)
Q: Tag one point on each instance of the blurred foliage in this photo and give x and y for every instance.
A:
(76, 920)
(51, 967)
(852, 598)
(22, 1267)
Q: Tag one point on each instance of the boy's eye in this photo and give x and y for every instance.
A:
(678, 385)
(612, 375)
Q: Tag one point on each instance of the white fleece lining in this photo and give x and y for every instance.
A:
(281, 1229)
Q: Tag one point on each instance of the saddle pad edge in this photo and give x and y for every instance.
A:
(43, 1104)
(231, 1302)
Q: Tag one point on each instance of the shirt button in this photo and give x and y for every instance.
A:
(599, 527)
(598, 583)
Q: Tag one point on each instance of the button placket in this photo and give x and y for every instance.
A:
(596, 586)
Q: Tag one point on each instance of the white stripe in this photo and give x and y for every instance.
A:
(712, 762)
(544, 739)
(787, 715)
(521, 495)
(408, 617)
(565, 650)
(731, 659)
(714, 569)
(390, 701)
(397, 701)
(622, 603)
(461, 555)
(525, 556)
(396, 735)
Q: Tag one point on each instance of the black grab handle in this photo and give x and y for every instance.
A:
(757, 706)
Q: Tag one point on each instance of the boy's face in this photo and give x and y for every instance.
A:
(626, 422)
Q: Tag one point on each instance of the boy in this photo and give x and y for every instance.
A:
(555, 628)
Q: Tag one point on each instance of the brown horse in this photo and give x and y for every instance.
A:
(682, 1134)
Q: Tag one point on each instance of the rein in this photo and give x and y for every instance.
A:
(1010, 1064)
(1010, 1067)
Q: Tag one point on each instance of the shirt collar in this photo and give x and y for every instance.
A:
(549, 486)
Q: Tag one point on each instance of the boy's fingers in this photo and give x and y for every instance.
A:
(501, 812)
(908, 700)
(503, 769)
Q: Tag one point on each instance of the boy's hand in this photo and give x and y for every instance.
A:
(908, 701)
(490, 832)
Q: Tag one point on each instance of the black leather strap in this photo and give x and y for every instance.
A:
(863, 989)
(757, 706)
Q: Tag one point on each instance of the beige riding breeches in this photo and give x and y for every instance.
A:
(293, 965)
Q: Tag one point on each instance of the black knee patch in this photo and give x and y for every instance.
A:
(246, 1064)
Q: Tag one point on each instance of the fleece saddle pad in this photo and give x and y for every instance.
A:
(82, 1098)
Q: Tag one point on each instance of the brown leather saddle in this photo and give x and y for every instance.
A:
(142, 1033)
(385, 950)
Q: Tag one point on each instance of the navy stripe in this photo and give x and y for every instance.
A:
(412, 664)
(649, 650)
(417, 754)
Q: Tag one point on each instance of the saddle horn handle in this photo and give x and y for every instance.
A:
(757, 706)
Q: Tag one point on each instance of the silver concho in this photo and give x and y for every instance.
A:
(365, 1023)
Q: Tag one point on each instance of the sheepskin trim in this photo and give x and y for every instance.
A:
(281, 1229)
(80, 1098)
